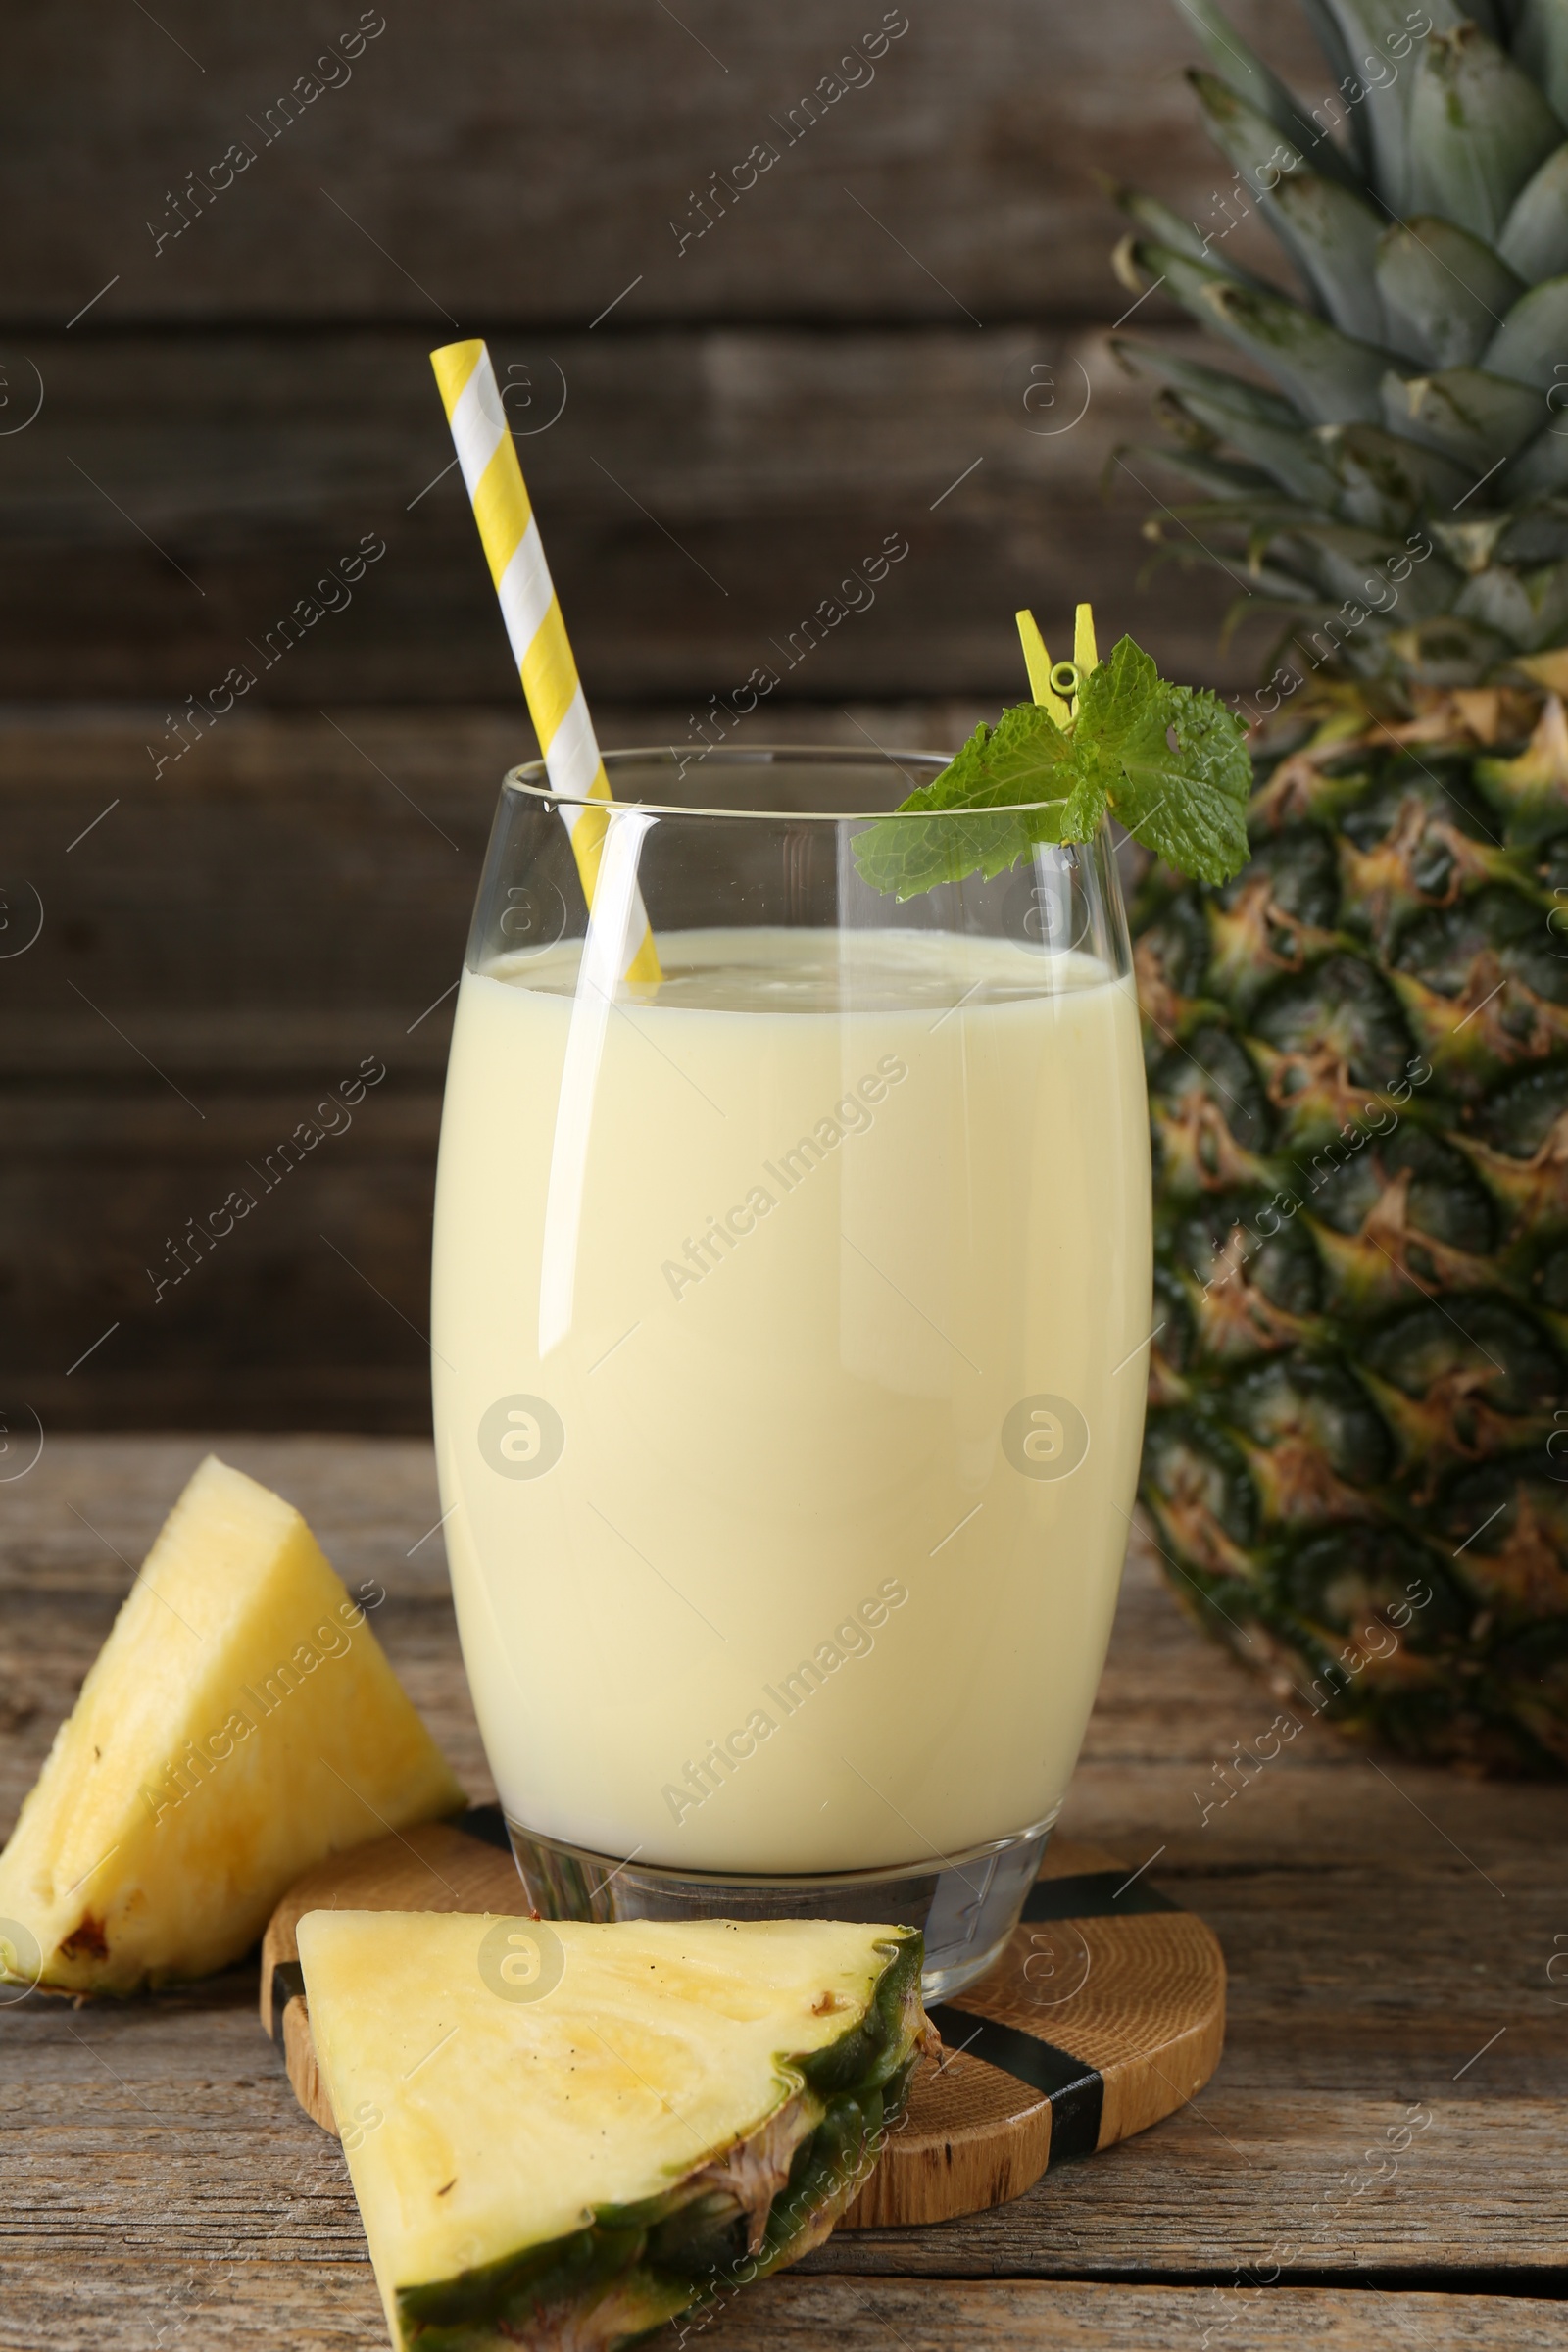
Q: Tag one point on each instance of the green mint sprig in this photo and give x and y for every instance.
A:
(1168, 762)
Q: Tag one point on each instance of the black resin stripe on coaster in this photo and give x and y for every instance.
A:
(288, 1985)
(1092, 1894)
(486, 1823)
(1076, 2090)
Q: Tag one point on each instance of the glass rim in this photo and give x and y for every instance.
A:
(532, 776)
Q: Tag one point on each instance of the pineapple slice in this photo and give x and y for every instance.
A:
(240, 1722)
(562, 2135)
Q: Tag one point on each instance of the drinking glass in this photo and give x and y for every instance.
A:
(789, 1321)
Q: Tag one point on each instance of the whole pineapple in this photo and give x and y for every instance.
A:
(1358, 1453)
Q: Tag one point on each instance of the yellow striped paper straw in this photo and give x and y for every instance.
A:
(531, 611)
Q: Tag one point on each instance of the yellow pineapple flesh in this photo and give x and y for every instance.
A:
(563, 2133)
(240, 1722)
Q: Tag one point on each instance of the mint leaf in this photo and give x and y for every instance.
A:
(1025, 757)
(1173, 764)
(1170, 763)
(1201, 830)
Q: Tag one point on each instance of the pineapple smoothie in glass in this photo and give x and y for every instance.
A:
(789, 1343)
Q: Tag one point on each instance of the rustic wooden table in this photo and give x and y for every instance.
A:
(1390, 1934)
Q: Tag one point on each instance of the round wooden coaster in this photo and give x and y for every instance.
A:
(1106, 2012)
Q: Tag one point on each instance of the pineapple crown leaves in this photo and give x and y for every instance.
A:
(1100, 739)
(1421, 367)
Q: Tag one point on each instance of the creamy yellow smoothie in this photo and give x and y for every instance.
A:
(788, 1333)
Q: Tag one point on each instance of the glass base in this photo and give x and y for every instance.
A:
(966, 1908)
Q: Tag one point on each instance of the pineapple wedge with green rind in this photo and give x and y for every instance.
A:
(657, 2113)
(240, 1722)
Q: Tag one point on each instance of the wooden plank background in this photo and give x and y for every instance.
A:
(214, 386)
(1389, 1933)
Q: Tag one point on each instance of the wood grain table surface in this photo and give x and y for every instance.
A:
(1387, 2124)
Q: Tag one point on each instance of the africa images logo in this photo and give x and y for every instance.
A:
(521, 1959)
(523, 1436)
(853, 1114)
(1045, 1437)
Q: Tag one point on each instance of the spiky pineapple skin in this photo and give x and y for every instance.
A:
(1357, 1449)
(1358, 1456)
